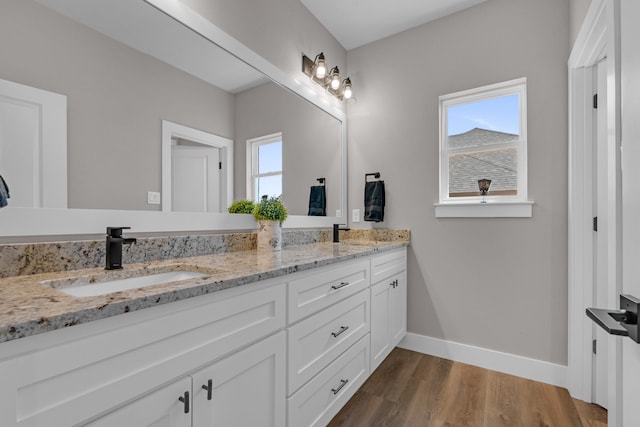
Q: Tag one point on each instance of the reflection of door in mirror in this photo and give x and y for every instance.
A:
(33, 145)
(197, 170)
(195, 177)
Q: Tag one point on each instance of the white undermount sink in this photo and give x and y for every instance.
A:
(100, 286)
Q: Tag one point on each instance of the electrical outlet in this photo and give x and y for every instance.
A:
(355, 215)
(338, 213)
(153, 198)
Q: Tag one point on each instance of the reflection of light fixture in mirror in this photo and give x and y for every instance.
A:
(483, 186)
(331, 82)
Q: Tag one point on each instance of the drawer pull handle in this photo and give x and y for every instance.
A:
(394, 283)
(209, 388)
(185, 399)
(342, 384)
(341, 285)
(342, 329)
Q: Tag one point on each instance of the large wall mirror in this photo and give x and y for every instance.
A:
(126, 66)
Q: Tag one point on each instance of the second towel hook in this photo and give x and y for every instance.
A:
(376, 175)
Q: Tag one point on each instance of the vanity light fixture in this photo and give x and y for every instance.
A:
(316, 69)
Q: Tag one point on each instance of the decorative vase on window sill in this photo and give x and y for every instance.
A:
(270, 213)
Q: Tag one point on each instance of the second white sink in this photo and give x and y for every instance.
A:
(116, 285)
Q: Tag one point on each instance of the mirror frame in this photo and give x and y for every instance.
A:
(15, 222)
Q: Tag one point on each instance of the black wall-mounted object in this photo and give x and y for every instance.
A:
(623, 322)
(376, 175)
(113, 250)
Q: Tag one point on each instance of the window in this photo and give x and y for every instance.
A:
(264, 161)
(483, 135)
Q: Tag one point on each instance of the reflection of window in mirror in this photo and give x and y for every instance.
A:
(265, 156)
(484, 137)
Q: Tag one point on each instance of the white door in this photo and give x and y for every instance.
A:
(247, 389)
(600, 274)
(629, 380)
(195, 178)
(33, 145)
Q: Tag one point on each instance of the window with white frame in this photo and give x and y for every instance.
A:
(264, 163)
(483, 136)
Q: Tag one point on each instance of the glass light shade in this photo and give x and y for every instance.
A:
(335, 82)
(347, 88)
(320, 66)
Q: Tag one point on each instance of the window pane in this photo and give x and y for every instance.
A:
(269, 185)
(270, 157)
(501, 115)
(500, 165)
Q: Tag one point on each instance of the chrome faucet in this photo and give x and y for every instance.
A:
(114, 247)
(336, 232)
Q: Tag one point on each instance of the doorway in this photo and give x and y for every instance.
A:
(197, 170)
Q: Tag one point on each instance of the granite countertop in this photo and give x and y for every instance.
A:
(29, 307)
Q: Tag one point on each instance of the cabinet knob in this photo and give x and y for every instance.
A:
(342, 384)
(185, 399)
(341, 285)
(209, 387)
(342, 329)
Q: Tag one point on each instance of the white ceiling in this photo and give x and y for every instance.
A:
(357, 22)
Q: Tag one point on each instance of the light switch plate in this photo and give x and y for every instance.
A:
(153, 198)
(355, 215)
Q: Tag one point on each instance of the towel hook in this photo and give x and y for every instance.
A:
(376, 175)
(320, 180)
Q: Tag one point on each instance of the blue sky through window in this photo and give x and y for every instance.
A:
(498, 114)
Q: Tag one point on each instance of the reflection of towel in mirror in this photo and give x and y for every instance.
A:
(374, 201)
(317, 201)
(4, 193)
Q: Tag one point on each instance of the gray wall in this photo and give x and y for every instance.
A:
(499, 284)
(116, 99)
(578, 10)
(278, 30)
(311, 144)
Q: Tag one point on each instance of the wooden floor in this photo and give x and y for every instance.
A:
(413, 389)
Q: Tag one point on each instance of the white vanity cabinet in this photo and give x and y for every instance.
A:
(388, 303)
(286, 351)
(244, 389)
(328, 340)
(73, 376)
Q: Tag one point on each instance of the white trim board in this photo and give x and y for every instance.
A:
(533, 369)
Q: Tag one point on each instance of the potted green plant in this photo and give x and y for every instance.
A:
(242, 207)
(270, 213)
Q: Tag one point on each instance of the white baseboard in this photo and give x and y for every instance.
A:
(533, 369)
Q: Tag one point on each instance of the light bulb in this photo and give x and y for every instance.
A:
(347, 88)
(321, 67)
(335, 82)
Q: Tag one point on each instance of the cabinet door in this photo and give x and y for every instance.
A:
(245, 389)
(162, 408)
(380, 309)
(398, 309)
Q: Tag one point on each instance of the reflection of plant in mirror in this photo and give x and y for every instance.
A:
(270, 209)
(242, 207)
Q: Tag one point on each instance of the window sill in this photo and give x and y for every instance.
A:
(484, 210)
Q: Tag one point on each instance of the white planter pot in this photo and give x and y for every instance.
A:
(269, 235)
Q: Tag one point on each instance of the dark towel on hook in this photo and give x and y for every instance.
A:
(374, 201)
(4, 193)
(317, 201)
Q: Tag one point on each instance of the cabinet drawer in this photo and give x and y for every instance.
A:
(315, 342)
(313, 291)
(317, 402)
(388, 264)
(115, 360)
